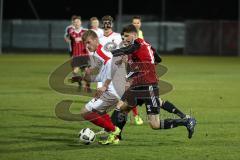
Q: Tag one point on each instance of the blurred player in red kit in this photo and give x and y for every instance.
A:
(80, 55)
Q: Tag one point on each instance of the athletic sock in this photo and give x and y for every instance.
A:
(135, 111)
(172, 123)
(172, 109)
(119, 119)
(101, 121)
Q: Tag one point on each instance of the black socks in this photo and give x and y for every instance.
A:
(172, 123)
(119, 119)
(172, 109)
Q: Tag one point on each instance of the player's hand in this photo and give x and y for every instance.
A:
(119, 62)
(124, 59)
(100, 92)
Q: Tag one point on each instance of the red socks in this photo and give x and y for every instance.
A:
(103, 121)
(135, 111)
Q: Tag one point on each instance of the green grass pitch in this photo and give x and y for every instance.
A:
(208, 87)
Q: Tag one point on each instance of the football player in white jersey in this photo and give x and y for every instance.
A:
(110, 39)
(94, 25)
(95, 110)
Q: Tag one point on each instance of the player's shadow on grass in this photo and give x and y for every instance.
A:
(70, 140)
(54, 127)
(38, 116)
(66, 142)
(42, 148)
(15, 109)
(39, 127)
(47, 137)
(50, 134)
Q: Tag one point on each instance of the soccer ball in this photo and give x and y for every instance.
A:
(87, 136)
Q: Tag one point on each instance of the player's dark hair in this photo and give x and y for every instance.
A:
(136, 17)
(107, 22)
(107, 18)
(89, 33)
(76, 17)
(129, 28)
(73, 16)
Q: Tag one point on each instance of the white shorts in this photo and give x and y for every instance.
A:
(103, 104)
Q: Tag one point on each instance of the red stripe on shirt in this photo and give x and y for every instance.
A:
(101, 54)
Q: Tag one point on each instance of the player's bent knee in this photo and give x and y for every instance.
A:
(123, 106)
(154, 121)
(161, 101)
(154, 125)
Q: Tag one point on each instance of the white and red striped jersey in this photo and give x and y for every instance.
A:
(103, 55)
(109, 43)
(107, 70)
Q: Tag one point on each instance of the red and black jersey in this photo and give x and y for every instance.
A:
(141, 60)
(77, 45)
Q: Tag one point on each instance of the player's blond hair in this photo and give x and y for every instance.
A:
(93, 18)
(89, 33)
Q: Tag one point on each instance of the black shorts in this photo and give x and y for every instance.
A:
(80, 61)
(147, 94)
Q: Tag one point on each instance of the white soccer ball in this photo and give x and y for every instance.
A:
(87, 136)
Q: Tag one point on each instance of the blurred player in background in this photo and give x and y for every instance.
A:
(110, 40)
(80, 55)
(136, 21)
(66, 35)
(94, 25)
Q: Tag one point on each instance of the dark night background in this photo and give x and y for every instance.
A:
(176, 10)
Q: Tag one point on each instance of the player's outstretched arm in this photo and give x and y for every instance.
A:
(126, 50)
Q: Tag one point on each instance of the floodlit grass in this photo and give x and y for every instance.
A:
(208, 87)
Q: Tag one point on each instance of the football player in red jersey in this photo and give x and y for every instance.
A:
(144, 85)
(66, 35)
(80, 55)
